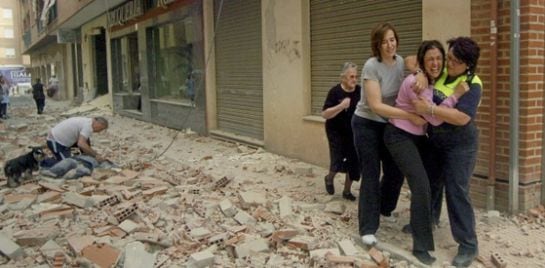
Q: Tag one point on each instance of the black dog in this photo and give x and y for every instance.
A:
(23, 166)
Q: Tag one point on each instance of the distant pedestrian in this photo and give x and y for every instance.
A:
(38, 95)
(4, 97)
(53, 86)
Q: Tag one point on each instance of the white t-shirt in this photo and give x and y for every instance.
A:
(67, 132)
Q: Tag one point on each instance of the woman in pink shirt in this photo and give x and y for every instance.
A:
(406, 143)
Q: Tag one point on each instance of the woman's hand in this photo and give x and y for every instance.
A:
(345, 103)
(461, 89)
(417, 120)
(421, 83)
(421, 105)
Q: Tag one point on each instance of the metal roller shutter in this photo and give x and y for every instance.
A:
(340, 32)
(239, 79)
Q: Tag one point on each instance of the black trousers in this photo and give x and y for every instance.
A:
(406, 150)
(454, 151)
(40, 104)
(377, 196)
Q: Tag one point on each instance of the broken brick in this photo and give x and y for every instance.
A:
(378, 257)
(103, 255)
(498, 260)
(123, 214)
(110, 201)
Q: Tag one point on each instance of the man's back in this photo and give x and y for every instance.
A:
(68, 131)
(38, 91)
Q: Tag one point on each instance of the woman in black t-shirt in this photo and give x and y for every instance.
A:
(338, 109)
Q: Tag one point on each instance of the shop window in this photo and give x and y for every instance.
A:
(125, 64)
(175, 59)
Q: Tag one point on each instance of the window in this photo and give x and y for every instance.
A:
(125, 62)
(8, 33)
(174, 60)
(7, 13)
(9, 52)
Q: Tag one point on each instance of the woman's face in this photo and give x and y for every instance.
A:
(349, 79)
(455, 66)
(433, 62)
(388, 46)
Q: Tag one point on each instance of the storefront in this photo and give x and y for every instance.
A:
(157, 62)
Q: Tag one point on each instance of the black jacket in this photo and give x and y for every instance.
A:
(38, 91)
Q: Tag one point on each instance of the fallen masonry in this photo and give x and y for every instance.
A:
(169, 212)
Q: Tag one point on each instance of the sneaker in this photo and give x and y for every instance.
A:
(464, 258)
(369, 240)
(390, 218)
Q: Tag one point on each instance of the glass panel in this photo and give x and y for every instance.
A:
(176, 58)
(116, 65)
(125, 64)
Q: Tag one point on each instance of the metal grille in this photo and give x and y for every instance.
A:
(340, 32)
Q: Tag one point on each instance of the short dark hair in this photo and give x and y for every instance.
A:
(101, 120)
(378, 34)
(424, 47)
(466, 50)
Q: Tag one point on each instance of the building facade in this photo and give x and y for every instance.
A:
(258, 71)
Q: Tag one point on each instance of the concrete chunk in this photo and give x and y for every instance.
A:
(137, 256)
(347, 247)
(248, 199)
(321, 253)
(10, 248)
(284, 205)
(201, 259)
(128, 226)
(245, 249)
(227, 208)
(36, 237)
(78, 200)
(244, 218)
(50, 248)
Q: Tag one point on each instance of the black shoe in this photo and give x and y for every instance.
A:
(464, 258)
(407, 229)
(349, 196)
(424, 257)
(329, 186)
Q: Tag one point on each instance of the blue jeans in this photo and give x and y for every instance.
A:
(455, 152)
(406, 150)
(376, 196)
(60, 151)
(83, 165)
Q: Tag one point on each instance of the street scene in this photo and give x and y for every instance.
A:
(177, 199)
(272, 133)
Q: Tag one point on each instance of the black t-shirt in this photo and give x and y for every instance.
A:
(335, 96)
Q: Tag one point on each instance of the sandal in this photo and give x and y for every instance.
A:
(349, 196)
(329, 187)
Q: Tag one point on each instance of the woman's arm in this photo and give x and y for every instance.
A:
(461, 115)
(335, 110)
(374, 100)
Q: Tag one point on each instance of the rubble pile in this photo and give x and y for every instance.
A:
(127, 217)
(209, 203)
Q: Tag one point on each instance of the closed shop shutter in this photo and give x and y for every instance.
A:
(239, 81)
(340, 32)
